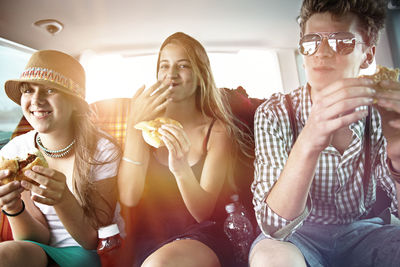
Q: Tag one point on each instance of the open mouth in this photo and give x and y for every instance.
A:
(40, 114)
(173, 84)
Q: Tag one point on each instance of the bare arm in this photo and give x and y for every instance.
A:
(131, 177)
(145, 105)
(333, 109)
(30, 224)
(389, 109)
(64, 202)
(200, 197)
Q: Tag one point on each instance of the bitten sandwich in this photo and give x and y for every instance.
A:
(18, 166)
(383, 73)
(150, 130)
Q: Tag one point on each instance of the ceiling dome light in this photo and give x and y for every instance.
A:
(52, 26)
(394, 4)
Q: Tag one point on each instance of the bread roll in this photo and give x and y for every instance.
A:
(150, 130)
(18, 166)
(9, 164)
(383, 73)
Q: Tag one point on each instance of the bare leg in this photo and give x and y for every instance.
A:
(270, 252)
(188, 253)
(22, 254)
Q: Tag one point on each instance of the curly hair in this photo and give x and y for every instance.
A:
(371, 13)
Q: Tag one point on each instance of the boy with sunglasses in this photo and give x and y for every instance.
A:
(311, 200)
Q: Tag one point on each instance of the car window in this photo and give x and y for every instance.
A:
(13, 58)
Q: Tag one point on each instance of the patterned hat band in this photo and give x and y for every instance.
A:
(37, 73)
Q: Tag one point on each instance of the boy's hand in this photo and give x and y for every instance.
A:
(388, 105)
(334, 107)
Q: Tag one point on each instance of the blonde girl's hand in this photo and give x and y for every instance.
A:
(148, 104)
(52, 186)
(178, 145)
(10, 194)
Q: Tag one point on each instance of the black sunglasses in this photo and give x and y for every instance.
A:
(342, 43)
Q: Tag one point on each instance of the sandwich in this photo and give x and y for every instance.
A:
(383, 73)
(18, 166)
(150, 130)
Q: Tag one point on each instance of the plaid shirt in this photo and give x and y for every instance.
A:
(337, 192)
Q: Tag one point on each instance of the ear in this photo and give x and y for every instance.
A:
(369, 55)
(75, 108)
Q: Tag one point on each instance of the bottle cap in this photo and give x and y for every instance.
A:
(230, 208)
(108, 231)
(235, 197)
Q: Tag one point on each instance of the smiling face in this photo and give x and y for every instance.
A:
(47, 110)
(326, 66)
(176, 68)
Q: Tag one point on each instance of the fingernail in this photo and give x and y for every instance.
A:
(394, 123)
(383, 101)
(369, 81)
(384, 82)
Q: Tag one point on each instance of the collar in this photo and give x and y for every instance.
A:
(305, 103)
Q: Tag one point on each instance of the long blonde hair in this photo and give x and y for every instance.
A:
(210, 100)
(87, 137)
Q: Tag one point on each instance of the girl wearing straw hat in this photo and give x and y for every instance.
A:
(177, 190)
(55, 219)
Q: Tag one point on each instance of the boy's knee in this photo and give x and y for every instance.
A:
(276, 253)
(154, 262)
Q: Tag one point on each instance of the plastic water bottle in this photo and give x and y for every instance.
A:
(109, 242)
(239, 206)
(239, 230)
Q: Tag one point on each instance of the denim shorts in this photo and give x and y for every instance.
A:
(362, 243)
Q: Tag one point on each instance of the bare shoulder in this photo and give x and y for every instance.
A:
(219, 128)
(219, 136)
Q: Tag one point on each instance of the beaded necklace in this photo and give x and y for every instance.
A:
(54, 153)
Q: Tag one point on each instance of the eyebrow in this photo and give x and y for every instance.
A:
(179, 61)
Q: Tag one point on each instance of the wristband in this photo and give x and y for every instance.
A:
(15, 214)
(132, 161)
(395, 174)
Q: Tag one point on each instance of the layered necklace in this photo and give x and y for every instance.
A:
(54, 153)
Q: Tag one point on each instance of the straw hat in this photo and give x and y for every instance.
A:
(52, 69)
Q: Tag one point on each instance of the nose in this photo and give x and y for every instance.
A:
(37, 97)
(324, 48)
(172, 72)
